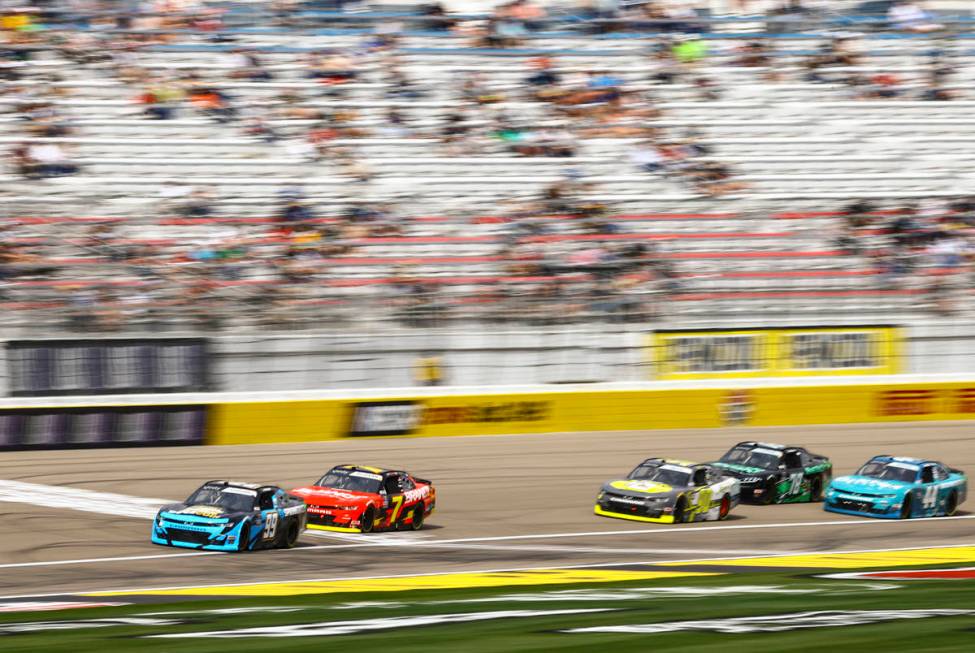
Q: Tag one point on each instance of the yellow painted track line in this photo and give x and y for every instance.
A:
(856, 560)
(435, 581)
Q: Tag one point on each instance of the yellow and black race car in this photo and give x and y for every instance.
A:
(669, 492)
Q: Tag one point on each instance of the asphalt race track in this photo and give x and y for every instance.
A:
(504, 502)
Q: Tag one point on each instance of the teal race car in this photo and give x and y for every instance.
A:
(893, 487)
(776, 473)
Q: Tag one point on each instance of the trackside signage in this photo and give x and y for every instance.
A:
(409, 416)
(385, 418)
(762, 352)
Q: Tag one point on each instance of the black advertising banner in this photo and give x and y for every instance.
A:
(113, 366)
(101, 426)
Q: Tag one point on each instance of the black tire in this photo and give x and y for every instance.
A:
(290, 535)
(951, 504)
(680, 508)
(906, 508)
(816, 489)
(245, 537)
(368, 520)
(418, 513)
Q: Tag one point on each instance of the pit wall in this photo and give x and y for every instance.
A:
(258, 418)
(433, 415)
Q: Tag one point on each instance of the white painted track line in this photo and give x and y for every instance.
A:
(461, 542)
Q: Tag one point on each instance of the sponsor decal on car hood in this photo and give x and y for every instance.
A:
(317, 494)
(646, 487)
(776, 622)
(860, 483)
(212, 512)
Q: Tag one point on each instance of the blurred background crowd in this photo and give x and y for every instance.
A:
(187, 164)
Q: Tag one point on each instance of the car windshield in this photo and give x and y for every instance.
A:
(889, 472)
(667, 474)
(753, 457)
(351, 481)
(231, 499)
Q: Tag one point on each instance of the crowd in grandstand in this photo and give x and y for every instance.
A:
(277, 265)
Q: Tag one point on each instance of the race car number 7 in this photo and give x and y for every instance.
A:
(397, 506)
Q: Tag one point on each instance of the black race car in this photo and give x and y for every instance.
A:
(775, 473)
(232, 516)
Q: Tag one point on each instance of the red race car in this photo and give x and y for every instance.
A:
(356, 499)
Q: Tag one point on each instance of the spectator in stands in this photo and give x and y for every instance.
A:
(258, 127)
(50, 160)
(161, 100)
(909, 16)
(199, 204)
(249, 66)
(212, 102)
(690, 49)
(436, 17)
(294, 210)
(647, 157)
(530, 14)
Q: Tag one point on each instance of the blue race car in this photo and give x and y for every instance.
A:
(893, 487)
(232, 516)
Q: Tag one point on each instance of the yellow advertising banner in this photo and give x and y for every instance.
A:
(609, 410)
(745, 353)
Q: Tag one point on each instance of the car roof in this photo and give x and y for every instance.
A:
(243, 485)
(887, 458)
(367, 468)
(769, 445)
(672, 461)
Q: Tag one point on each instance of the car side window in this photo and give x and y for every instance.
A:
(940, 473)
(927, 474)
(266, 500)
(792, 460)
(700, 477)
(407, 483)
(391, 484)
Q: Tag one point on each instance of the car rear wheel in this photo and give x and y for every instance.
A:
(951, 504)
(291, 536)
(368, 520)
(417, 522)
(725, 507)
(906, 508)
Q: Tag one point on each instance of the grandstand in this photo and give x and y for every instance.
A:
(240, 167)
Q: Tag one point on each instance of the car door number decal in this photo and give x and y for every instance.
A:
(270, 525)
(397, 501)
(796, 480)
(930, 497)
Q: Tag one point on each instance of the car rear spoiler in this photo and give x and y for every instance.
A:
(423, 480)
(956, 471)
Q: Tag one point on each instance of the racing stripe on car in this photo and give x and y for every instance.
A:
(405, 583)
(857, 560)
